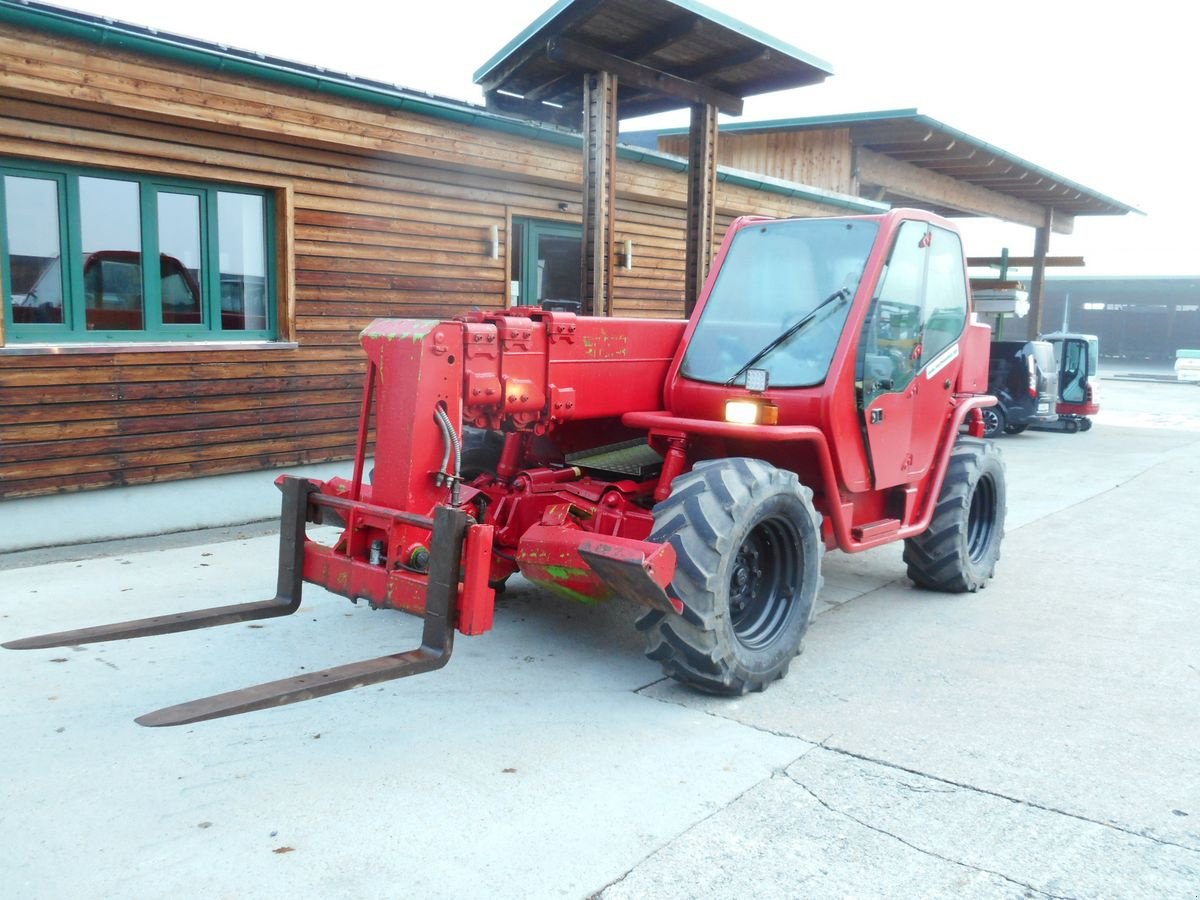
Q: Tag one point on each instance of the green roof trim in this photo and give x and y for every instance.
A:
(92, 29)
(691, 6)
(845, 120)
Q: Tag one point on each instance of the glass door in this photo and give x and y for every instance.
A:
(546, 261)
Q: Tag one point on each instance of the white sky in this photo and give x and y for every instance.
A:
(1102, 94)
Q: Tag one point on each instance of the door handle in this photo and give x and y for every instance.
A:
(876, 416)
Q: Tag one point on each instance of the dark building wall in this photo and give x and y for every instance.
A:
(1135, 318)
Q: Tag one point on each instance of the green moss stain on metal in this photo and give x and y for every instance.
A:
(566, 573)
(400, 329)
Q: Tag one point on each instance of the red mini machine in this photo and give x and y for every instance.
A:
(1078, 358)
(825, 394)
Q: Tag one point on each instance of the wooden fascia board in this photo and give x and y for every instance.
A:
(921, 184)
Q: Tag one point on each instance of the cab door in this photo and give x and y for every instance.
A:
(908, 359)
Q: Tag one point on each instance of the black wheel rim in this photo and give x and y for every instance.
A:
(991, 421)
(981, 521)
(763, 582)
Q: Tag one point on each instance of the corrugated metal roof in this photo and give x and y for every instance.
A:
(908, 136)
(243, 63)
(681, 38)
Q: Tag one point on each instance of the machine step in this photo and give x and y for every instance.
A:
(877, 529)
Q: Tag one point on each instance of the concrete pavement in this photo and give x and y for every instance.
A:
(1040, 738)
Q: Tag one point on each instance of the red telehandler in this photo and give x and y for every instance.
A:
(826, 393)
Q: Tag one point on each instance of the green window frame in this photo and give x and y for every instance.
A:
(74, 327)
(533, 230)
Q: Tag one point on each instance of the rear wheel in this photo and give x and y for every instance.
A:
(959, 550)
(994, 421)
(748, 546)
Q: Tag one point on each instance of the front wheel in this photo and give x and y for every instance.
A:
(748, 546)
(959, 550)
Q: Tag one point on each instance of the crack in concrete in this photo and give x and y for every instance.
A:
(947, 781)
(930, 853)
(990, 793)
(596, 895)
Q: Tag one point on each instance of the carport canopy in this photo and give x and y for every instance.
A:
(587, 63)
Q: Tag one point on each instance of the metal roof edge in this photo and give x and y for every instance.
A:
(80, 26)
(687, 5)
(525, 34)
(800, 122)
(846, 119)
(1013, 158)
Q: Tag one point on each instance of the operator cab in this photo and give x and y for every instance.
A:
(854, 326)
(779, 302)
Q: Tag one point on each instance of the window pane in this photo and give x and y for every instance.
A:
(241, 236)
(558, 260)
(945, 294)
(179, 258)
(34, 259)
(111, 237)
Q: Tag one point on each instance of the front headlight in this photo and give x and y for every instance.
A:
(751, 412)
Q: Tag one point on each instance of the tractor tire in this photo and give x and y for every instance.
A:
(748, 546)
(994, 421)
(959, 550)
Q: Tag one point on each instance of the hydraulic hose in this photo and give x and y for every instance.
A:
(452, 444)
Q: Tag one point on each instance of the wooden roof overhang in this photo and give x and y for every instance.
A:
(905, 158)
(666, 54)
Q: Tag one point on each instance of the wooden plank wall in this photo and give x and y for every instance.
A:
(819, 158)
(383, 213)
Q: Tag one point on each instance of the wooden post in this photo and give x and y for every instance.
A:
(701, 211)
(599, 191)
(1037, 282)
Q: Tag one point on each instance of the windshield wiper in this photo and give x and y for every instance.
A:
(792, 331)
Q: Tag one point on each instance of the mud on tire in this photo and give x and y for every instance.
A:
(748, 546)
(958, 552)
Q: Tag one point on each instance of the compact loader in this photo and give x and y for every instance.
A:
(826, 393)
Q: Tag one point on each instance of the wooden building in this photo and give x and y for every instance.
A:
(286, 207)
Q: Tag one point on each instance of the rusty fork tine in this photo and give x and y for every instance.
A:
(437, 643)
(286, 600)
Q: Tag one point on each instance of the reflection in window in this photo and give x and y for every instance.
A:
(921, 308)
(179, 258)
(243, 264)
(558, 260)
(111, 239)
(775, 275)
(34, 260)
(946, 293)
(91, 255)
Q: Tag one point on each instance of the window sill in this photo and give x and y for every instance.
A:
(70, 349)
